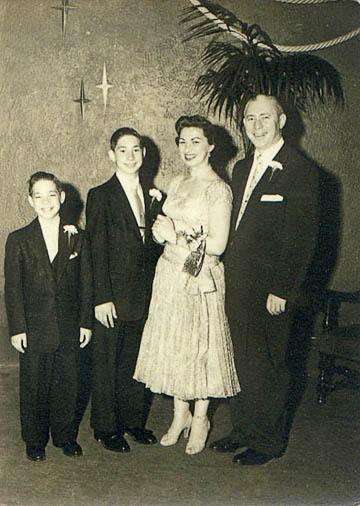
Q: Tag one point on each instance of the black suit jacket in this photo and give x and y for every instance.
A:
(275, 240)
(48, 306)
(123, 264)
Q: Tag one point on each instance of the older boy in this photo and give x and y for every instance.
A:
(118, 222)
(48, 294)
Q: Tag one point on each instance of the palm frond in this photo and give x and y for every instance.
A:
(233, 73)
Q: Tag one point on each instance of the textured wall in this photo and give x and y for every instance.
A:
(152, 72)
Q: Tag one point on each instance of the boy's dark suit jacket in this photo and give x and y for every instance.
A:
(50, 307)
(275, 240)
(123, 265)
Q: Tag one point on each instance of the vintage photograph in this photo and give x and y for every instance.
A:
(180, 281)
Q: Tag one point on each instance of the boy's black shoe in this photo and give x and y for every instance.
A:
(114, 443)
(140, 435)
(72, 449)
(35, 453)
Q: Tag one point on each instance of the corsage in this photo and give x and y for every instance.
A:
(196, 242)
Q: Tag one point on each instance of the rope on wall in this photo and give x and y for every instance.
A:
(285, 49)
(309, 1)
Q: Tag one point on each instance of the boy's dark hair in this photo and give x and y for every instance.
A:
(120, 132)
(38, 176)
(196, 121)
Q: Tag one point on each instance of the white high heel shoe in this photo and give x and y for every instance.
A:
(200, 427)
(180, 423)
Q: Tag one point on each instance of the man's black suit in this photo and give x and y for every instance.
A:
(123, 272)
(48, 302)
(269, 253)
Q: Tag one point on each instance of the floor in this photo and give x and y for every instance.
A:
(320, 467)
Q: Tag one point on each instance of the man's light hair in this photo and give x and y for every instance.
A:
(278, 107)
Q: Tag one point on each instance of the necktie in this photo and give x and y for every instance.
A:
(250, 187)
(139, 211)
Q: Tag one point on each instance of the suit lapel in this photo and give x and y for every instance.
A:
(282, 157)
(240, 191)
(66, 245)
(37, 244)
(122, 205)
(148, 213)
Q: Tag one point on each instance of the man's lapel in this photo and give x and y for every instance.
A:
(261, 187)
(240, 191)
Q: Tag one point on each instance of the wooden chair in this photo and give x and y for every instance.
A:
(339, 346)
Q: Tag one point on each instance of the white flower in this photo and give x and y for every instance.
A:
(70, 230)
(155, 194)
(274, 165)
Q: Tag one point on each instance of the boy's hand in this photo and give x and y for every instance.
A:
(19, 341)
(85, 337)
(105, 314)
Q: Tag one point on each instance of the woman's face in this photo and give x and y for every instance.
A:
(194, 147)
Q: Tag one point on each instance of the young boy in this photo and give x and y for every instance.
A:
(48, 295)
(119, 225)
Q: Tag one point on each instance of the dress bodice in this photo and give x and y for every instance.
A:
(191, 212)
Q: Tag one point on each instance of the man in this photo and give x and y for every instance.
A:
(272, 240)
(119, 226)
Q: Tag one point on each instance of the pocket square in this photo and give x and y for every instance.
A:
(73, 255)
(271, 198)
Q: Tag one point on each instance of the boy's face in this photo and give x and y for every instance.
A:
(46, 199)
(128, 154)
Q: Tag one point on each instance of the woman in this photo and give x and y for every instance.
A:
(186, 349)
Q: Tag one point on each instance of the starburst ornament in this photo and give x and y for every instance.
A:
(104, 86)
(64, 10)
(82, 100)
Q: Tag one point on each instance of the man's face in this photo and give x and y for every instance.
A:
(263, 123)
(128, 154)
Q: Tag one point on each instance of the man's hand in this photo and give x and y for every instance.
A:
(275, 305)
(19, 341)
(105, 314)
(85, 337)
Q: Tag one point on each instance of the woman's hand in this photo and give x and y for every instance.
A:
(163, 229)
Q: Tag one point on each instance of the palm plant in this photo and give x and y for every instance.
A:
(235, 72)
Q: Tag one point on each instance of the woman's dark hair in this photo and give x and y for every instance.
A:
(196, 121)
(38, 176)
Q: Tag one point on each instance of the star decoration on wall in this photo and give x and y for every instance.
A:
(82, 100)
(64, 9)
(105, 86)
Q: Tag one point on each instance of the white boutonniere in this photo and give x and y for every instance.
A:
(274, 165)
(70, 230)
(155, 194)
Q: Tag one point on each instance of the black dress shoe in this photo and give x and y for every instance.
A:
(226, 445)
(114, 443)
(253, 458)
(35, 453)
(142, 436)
(72, 449)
